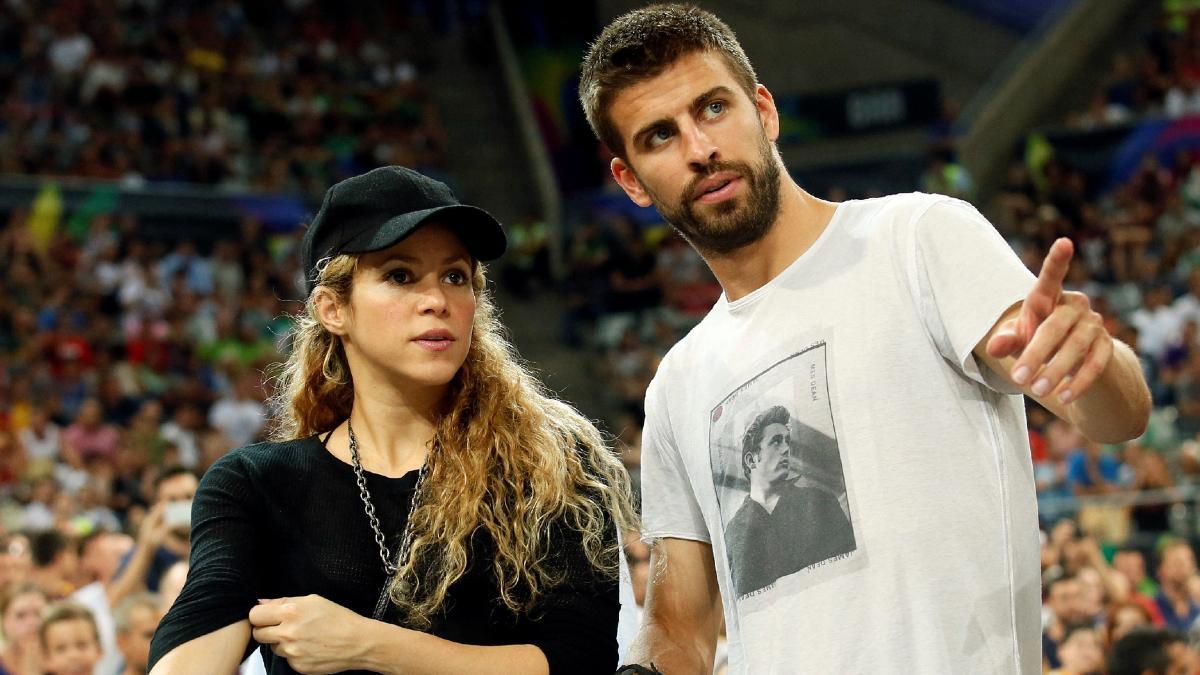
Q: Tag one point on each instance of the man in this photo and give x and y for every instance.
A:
(1082, 650)
(908, 318)
(100, 555)
(780, 528)
(1064, 599)
(136, 618)
(1176, 565)
(1151, 651)
(240, 415)
(164, 536)
(55, 563)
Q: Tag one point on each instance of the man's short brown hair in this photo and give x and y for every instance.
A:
(642, 44)
(63, 612)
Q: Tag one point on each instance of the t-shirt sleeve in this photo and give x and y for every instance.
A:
(224, 571)
(669, 506)
(967, 277)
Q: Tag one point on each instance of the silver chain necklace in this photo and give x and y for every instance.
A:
(369, 507)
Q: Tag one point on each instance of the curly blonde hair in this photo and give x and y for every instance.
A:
(508, 458)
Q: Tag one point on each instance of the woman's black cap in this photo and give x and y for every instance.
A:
(374, 210)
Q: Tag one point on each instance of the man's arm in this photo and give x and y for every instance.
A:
(132, 577)
(683, 609)
(1056, 349)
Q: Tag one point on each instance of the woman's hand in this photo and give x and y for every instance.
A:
(315, 635)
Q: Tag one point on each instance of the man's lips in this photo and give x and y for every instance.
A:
(718, 187)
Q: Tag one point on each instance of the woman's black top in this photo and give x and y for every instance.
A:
(286, 519)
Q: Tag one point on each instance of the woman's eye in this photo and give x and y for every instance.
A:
(456, 277)
(399, 276)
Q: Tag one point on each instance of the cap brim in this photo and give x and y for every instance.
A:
(480, 233)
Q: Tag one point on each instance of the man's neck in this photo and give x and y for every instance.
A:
(801, 220)
(1176, 593)
(765, 495)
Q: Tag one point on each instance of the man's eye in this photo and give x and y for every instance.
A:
(715, 108)
(659, 137)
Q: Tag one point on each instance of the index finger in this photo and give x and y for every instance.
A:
(267, 613)
(1054, 269)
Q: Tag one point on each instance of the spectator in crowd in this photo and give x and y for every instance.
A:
(21, 608)
(1125, 617)
(55, 563)
(1132, 564)
(40, 440)
(634, 279)
(1157, 322)
(164, 536)
(1187, 397)
(1081, 651)
(1151, 651)
(89, 436)
(69, 640)
(1091, 471)
(527, 262)
(100, 555)
(170, 585)
(241, 414)
(1064, 600)
(16, 559)
(1177, 565)
(136, 618)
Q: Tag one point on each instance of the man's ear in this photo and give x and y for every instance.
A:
(628, 180)
(750, 459)
(333, 315)
(767, 112)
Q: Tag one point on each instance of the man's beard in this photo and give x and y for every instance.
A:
(733, 224)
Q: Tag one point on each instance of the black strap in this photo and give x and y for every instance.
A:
(381, 605)
(325, 441)
(637, 669)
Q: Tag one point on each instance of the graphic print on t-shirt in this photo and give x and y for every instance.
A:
(777, 469)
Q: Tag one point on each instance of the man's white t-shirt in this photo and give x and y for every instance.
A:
(906, 538)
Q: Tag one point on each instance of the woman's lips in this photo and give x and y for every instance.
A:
(434, 344)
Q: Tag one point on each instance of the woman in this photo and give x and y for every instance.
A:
(426, 508)
(20, 615)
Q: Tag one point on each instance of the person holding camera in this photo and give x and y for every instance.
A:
(164, 536)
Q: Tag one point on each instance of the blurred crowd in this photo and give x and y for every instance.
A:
(270, 96)
(1160, 77)
(127, 367)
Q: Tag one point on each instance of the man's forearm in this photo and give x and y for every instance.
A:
(133, 577)
(1116, 407)
(670, 653)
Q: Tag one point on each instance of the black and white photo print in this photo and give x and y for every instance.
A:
(778, 474)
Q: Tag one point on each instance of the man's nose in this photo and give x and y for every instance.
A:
(699, 147)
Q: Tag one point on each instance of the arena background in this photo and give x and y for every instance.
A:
(158, 162)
